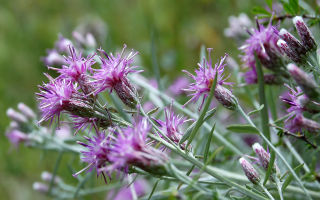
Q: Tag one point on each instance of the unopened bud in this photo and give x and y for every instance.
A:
(125, 92)
(304, 80)
(16, 116)
(249, 171)
(62, 44)
(16, 137)
(47, 176)
(40, 187)
(264, 158)
(292, 42)
(53, 58)
(305, 34)
(225, 97)
(288, 51)
(26, 110)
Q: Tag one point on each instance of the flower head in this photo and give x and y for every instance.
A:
(54, 97)
(171, 125)
(305, 34)
(299, 124)
(249, 171)
(296, 100)
(204, 79)
(97, 153)
(263, 43)
(62, 44)
(113, 75)
(76, 67)
(53, 58)
(129, 147)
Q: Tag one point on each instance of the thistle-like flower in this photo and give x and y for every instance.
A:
(113, 76)
(76, 69)
(299, 124)
(305, 34)
(171, 125)
(249, 171)
(54, 97)
(97, 153)
(130, 148)
(263, 43)
(204, 79)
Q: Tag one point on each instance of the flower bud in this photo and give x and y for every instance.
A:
(225, 97)
(305, 34)
(305, 81)
(16, 137)
(16, 116)
(47, 176)
(40, 187)
(249, 171)
(263, 156)
(292, 42)
(125, 92)
(62, 44)
(26, 110)
(53, 58)
(289, 52)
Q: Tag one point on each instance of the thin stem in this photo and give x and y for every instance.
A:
(266, 191)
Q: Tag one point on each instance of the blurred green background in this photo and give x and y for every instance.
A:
(29, 27)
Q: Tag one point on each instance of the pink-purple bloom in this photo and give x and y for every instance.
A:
(113, 75)
(130, 147)
(176, 88)
(54, 97)
(97, 153)
(171, 127)
(204, 79)
(140, 186)
(263, 43)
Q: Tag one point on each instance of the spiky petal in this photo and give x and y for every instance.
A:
(204, 79)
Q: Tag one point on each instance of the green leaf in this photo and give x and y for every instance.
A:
(261, 10)
(242, 128)
(209, 114)
(200, 120)
(262, 98)
(257, 110)
(290, 177)
(294, 4)
(206, 151)
(270, 168)
(269, 3)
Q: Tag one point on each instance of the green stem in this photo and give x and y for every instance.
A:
(266, 191)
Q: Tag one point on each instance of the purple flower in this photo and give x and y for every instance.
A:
(113, 75)
(171, 126)
(54, 97)
(176, 88)
(249, 171)
(299, 124)
(16, 137)
(140, 186)
(204, 79)
(296, 100)
(263, 42)
(130, 147)
(97, 153)
(76, 69)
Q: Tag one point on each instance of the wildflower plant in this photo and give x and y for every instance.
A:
(94, 109)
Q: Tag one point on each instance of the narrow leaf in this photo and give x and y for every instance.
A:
(270, 167)
(257, 110)
(242, 128)
(290, 177)
(206, 150)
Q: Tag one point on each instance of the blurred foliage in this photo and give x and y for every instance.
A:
(29, 27)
